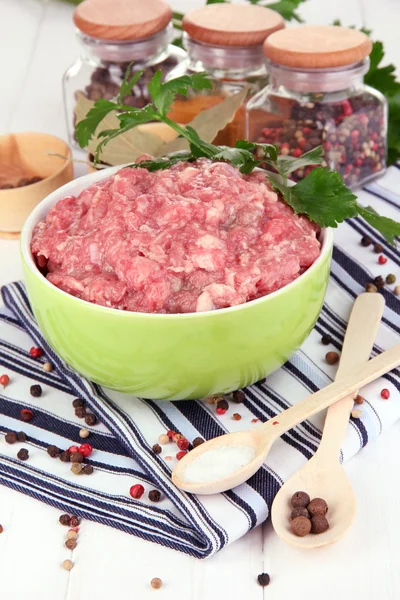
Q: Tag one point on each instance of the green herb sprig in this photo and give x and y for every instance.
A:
(321, 195)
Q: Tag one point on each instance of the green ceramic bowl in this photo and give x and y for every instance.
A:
(173, 356)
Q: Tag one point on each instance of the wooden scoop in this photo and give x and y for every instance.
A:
(261, 438)
(323, 476)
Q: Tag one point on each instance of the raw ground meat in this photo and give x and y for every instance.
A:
(195, 237)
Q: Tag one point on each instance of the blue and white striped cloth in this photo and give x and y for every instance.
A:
(199, 526)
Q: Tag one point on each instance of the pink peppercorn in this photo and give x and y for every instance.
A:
(183, 444)
(26, 414)
(181, 455)
(35, 352)
(220, 411)
(86, 450)
(136, 491)
(382, 259)
(297, 152)
(4, 380)
(72, 449)
(385, 394)
(171, 433)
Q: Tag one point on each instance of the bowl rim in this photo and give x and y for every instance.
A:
(60, 170)
(82, 183)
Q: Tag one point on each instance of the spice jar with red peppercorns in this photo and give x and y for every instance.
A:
(317, 96)
(112, 36)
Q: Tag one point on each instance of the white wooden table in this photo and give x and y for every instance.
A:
(36, 45)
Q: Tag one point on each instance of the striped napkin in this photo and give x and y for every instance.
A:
(129, 426)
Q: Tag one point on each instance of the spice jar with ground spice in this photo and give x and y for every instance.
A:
(317, 96)
(226, 41)
(113, 35)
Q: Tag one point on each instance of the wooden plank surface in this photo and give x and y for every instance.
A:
(37, 44)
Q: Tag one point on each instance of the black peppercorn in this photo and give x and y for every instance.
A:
(300, 499)
(238, 396)
(90, 419)
(87, 470)
(157, 449)
(379, 282)
(197, 442)
(65, 520)
(23, 454)
(223, 404)
(65, 457)
(11, 437)
(154, 495)
(21, 436)
(74, 521)
(263, 579)
(76, 457)
(36, 391)
(366, 241)
(80, 412)
(78, 402)
(326, 339)
(378, 248)
(53, 451)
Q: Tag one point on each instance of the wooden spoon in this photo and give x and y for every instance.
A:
(261, 438)
(323, 476)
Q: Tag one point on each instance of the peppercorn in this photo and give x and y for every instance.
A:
(183, 444)
(76, 457)
(154, 495)
(397, 290)
(71, 544)
(358, 399)
(157, 449)
(238, 396)
(317, 506)
(300, 526)
(156, 583)
(366, 241)
(382, 260)
(36, 352)
(210, 400)
(36, 391)
(67, 565)
(84, 433)
(78, 402)
(223, 404)
(74, 522)
(385, 394)
(356, 413)
(90, 419)
(263, 579)
(11, 437)
(86, 450)
(4, 380)
(236, 417)
(379, 282)
(319, 524)
(221, 411)
(197, 442)
(76, 468)
(53, 451)
(163, 439)
(390, 278)
(47, 367)
(332, 358)
(22, 437)
(87, 470)
(180, 455)
(65, 519)
(136, 491)
(80, 412)
(1, 528)
(65, 457)
(73, 449)
(300, 499)
(326, 339)
(371, 288)
(177, 436)
(26, 414)
(299, 511)
(72, 535)
(23, 454)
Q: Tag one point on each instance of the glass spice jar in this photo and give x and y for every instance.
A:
(112, 35)
(317, 96)
(226, 41)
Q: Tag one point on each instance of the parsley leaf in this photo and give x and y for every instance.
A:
(381, 78)
(287, 8)
(163, 94)
(389, 229)
(288, 164)
(394, 129)
(128, 83)
(86, 128)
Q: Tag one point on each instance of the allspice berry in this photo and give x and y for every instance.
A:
(197, 442)
(71, 544)
(300, 526)
(317, 506)
(300, 511)
(358, 399)
(332, 358)
(300, 499)
(319, 524)
(156, 583)
(67, 565)
(11, 437)
(157, 449)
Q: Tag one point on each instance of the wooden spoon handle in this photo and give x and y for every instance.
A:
(330, 394)
(357, 346)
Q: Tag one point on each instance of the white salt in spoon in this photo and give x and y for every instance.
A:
(323, 476)
(252, 446)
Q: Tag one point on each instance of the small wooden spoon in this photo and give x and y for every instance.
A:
(323, 476)
(261, 438)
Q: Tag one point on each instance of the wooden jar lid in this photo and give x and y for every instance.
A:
(232, 24)
(122, 20)
(317, 47)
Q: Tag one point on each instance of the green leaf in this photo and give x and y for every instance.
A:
(85, 129)
(287, 8)
(394, 129)
(127, 84)
(389, 228)
(164, 162)
(288, 164)
(137, 116)
(322, 196)
(381, 78)
(261, 151)
(163, 94)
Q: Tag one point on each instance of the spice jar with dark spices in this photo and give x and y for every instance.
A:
(317, 96)
(113, 35)
(226, 41)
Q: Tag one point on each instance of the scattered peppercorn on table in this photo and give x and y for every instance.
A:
(68, 559)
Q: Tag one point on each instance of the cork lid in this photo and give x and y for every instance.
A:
(122, 20)
(317, 47)
(232, 24)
